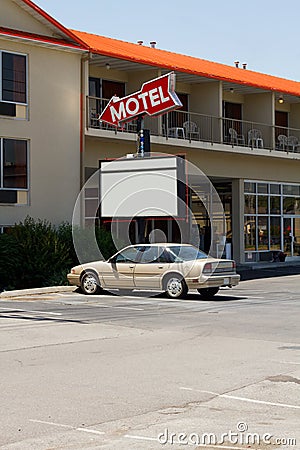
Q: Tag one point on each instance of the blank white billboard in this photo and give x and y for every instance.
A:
(143, 187)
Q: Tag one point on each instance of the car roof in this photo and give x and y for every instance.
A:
(162, 244)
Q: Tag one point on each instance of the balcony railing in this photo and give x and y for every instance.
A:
(199, 127)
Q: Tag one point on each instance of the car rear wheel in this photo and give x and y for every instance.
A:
(90, 283)
(208, 292)
(175, 286)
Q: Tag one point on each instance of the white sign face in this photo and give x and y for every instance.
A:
(139, 188)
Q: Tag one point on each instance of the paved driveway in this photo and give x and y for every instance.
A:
(150, 373)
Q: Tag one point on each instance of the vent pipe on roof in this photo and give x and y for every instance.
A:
(140, 42)
(244, 65)
(153, 44)
(236, 64)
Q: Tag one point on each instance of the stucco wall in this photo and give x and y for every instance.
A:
(53, 131)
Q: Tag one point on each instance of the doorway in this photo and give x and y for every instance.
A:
(232, 113)
(291, 236)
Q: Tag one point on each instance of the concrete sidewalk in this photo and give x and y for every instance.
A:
(36, 291)
(268, 270)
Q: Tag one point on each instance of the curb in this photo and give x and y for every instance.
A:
(37, 291)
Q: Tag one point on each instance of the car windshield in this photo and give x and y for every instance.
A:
(186, 253)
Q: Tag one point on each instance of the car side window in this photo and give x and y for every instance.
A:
(128, 255)
(163, 256)
(149, 255)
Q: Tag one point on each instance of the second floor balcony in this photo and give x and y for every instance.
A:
(187, 127)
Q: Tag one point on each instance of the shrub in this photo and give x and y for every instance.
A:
(35, 253)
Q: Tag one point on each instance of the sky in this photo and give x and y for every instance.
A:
(264, 34)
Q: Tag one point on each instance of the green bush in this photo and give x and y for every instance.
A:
(35, 253)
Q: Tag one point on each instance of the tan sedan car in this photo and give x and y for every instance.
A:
(173, 268)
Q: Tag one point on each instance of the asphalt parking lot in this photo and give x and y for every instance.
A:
(151, 373)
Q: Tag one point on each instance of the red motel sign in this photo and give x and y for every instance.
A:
(156, 97)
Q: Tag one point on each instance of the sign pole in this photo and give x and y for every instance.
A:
(141, 222)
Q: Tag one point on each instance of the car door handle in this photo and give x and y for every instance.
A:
(131, 267)
(160, 267)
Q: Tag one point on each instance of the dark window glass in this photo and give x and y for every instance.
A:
(250, 204)
(290, 189)
(275, 233)
(262, 188)
(7, 109)
(263, 233)
(14, 163)
(250, 233)
(291, 205)
(8, 196)
(274, 205)
(262, 204)
(13, 77)
(250, 187)
(275, 188)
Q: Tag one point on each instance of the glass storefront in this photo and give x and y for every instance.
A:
(271, 220)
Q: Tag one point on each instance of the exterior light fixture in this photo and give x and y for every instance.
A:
(280, 100)
(107, 65)
(231, 90)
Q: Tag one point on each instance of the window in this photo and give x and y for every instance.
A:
(269, 212)
(250, 233)
(128, 255)
(13, 83)
(149, 255)
(14, 164)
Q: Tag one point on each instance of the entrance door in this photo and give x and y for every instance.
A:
(281, 123)
(291, 236)
(232, 112)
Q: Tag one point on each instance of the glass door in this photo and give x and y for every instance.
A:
(296, 242)
(291, 236)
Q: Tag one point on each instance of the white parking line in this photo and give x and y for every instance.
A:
(140, 438)
(243, 399)
(286, 362)
(116, 307)
(70, 427)
(31, 311)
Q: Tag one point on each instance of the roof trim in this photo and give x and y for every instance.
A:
(55, 23)
(39, 38)
(182, 63)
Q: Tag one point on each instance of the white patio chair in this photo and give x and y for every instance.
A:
(255, 138)
(293, 143)
(191, 130)
(282, 141)
(236, 138)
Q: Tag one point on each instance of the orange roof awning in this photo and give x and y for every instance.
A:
(182, 63)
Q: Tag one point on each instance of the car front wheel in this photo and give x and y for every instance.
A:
(208, 292)
(175, 286)
(90, 283)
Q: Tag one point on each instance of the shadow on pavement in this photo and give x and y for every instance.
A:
(252, 274)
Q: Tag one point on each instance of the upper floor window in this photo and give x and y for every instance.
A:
(13, 164)
(13, 83)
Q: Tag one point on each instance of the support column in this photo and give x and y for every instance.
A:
(238, 221)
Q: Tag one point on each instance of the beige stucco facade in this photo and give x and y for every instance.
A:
(50, 124)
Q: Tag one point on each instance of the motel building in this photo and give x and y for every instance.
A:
(241, 128)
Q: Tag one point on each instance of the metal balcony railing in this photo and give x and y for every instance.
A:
(191, 126)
